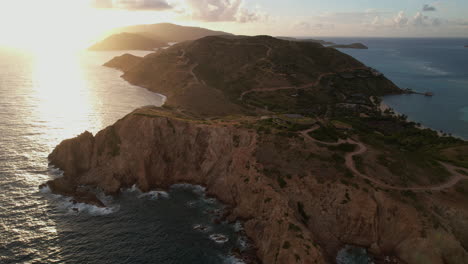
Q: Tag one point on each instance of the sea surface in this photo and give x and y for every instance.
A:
(432, 65)
(48, 98)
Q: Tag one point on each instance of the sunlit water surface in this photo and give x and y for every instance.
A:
(46, 99)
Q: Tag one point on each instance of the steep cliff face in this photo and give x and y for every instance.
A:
(298, 219)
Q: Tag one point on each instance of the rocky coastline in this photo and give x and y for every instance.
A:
(167, 149)
(304, 184)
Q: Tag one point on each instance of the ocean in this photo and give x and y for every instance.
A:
(46, 99)
(437, 65)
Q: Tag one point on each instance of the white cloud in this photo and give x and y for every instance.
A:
(401, 20)
(132, 4)
(418, 19)
(221, 10)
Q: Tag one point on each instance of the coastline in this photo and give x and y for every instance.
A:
(385, 107)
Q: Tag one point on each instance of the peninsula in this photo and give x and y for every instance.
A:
(128, 41)
(291, 136)
(168, 32)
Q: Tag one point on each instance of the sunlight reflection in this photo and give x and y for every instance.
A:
(63, 98)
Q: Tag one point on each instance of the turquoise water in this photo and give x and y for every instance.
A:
(435, 65)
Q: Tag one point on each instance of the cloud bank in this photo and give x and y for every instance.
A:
(221, 11)
(157, 5)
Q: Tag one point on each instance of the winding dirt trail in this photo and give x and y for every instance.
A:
(302, 87)
(350, 164)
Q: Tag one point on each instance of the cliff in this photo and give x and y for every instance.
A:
(128, 41)
(297, 204)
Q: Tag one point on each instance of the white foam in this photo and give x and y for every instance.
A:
(243, 243)
(202, 228)
(197, 189)
(232, 260)
(45, 189)
(78, 208)
(238, 226)
(219, 238)
(154, 195)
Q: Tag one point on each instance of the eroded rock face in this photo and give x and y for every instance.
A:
(302, 222)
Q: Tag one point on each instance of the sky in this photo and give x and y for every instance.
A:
(77, 23)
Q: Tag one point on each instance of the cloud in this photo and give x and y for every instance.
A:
(401, 20)
(157, 5)
(418, 19)
(307, 27)
(221, 10)
(428, 8)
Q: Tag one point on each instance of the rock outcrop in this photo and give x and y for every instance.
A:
(300, 218)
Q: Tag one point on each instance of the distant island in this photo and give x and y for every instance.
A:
(128, 41)
(323, 42)
(350, 46)
(168, 32)
(293, 138)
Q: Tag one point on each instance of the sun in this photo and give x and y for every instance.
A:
(49, 24)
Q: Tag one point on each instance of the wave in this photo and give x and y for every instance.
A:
(232, 260)
(67, 205)
(76, 208)
(154, 195)
(197, 189)
(219, 238)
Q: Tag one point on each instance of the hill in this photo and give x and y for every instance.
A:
(128, 41)
(291, 137)
(170, 32)
(224, 75)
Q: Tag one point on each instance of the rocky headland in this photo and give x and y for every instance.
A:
(291, 137)
(128, 41)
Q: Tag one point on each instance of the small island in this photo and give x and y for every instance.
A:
(320, 41)
(350, 46)
(128, 41)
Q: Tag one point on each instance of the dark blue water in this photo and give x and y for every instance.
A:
(436, 65)
(47, 98)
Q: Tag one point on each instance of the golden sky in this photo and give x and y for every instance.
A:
(73, 24)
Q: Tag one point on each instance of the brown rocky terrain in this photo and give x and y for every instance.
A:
(128, 41)
(208, 76)
(291, 137)
(298, 204)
